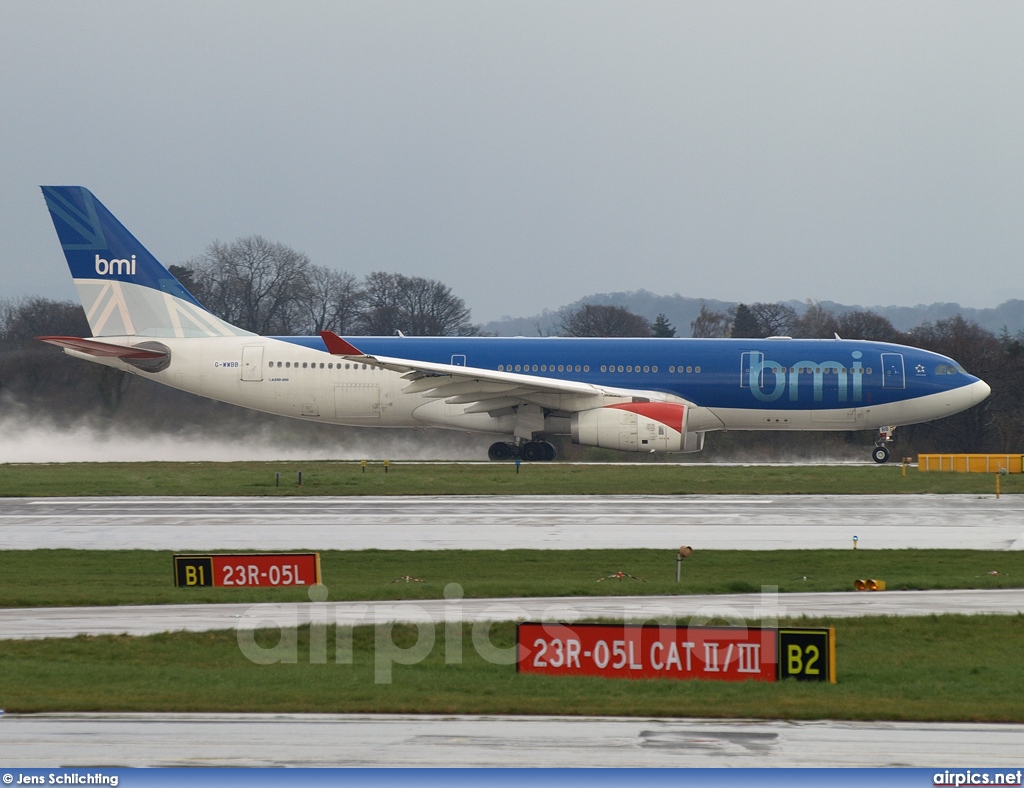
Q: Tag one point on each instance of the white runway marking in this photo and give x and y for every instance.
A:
(62, 622)
(537, 522)
(49, 740)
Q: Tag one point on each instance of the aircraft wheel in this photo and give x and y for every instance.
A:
(549, 452)
(880, 454)
(499, 452)
(532, 452)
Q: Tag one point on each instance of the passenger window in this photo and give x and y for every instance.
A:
(288, 364)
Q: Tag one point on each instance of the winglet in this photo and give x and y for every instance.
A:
(337, 346)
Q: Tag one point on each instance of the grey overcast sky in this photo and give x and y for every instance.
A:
(530, 153)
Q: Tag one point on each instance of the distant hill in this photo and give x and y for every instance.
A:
(681, 311)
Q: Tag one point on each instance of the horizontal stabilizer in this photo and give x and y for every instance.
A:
(103, 349)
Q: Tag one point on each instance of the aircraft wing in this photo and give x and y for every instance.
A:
(491, 391)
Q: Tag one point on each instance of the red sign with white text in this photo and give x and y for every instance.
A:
(252, 570)
(296, 569)
(648, 651)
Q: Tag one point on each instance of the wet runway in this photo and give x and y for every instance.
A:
(35, 623)
(407, 740)
(707, 522)
(503, 522)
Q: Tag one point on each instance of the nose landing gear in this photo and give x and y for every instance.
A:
(885, 439)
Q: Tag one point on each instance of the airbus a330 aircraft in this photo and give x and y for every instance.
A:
(640, 395)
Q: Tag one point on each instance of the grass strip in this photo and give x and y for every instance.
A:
(949, 668)
(348, 478)
(41, 578)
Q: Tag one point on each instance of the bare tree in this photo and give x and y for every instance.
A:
(865, 324)
(334, 301)
(412, 305)
(711, 324)
(254, 284)
(27, 318)
(599, 320)
(816, 323)
(34, 372)
(774, 319)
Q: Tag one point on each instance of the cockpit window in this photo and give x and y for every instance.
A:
(949, 369)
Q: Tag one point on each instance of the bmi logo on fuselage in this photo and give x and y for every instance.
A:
(769, 380)
(115, 267)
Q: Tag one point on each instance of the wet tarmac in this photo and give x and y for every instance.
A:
(503, 522)
(64, 622)
(458, 740)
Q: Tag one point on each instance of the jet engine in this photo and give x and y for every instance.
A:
(636, 426)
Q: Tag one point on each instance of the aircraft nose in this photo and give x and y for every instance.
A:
(979, 391)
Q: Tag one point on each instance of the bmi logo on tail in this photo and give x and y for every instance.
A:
(115, 267)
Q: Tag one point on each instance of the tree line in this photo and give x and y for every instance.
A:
(270, 289)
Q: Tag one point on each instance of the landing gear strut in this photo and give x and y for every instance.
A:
(531, 451)
(885, 439)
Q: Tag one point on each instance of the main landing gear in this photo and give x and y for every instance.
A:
(885, 439)
(531, 451)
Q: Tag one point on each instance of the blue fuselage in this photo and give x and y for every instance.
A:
(768, 374)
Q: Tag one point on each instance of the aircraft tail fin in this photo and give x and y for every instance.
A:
(124, 289)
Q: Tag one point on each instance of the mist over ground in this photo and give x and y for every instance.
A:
(223, 433)
(26, 436)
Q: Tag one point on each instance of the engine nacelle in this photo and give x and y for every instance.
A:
(636, 426)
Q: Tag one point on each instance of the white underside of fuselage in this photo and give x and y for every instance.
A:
(269, 375)
(867, 417)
